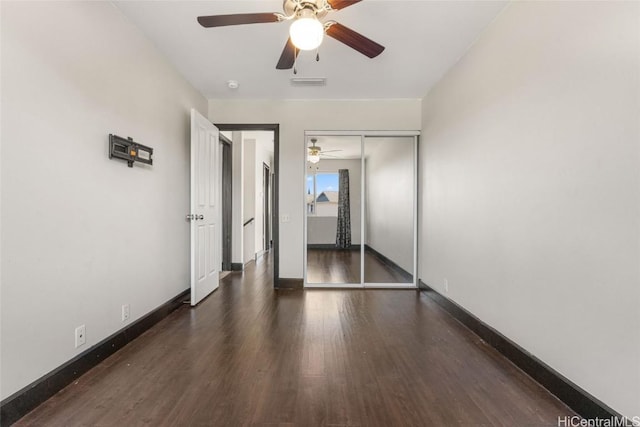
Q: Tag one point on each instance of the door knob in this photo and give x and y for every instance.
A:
(190, 217)
(199, 216)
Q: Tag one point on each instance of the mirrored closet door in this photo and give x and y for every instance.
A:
(389, 219)
(360, 200)
(333, 210)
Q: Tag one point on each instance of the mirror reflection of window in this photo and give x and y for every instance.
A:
(322, 194)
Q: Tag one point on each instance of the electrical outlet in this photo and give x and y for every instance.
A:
(80, 336)
(125, 312)
(285, 218)
(446, 285)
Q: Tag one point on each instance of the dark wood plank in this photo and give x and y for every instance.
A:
(253, 355)
(325, 265)
(333, 265)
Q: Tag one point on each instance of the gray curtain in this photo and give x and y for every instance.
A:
(343, 231)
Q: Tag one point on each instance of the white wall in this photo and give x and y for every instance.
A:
(249, 197)
(322, 230)
(389, 198)
(294, 117)
(237, 198)
(82, 234)
(531, 183)
(264, 155)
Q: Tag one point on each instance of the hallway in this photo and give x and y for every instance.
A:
(249, 355)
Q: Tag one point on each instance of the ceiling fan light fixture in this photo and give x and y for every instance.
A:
(314, 152)
(314, 158)
(306, 33)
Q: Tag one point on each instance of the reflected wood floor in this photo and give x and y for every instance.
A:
(343, 266)
(252, 356)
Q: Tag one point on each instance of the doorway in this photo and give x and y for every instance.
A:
(273, 198)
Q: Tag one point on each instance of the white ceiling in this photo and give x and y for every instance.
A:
(423, 39)
(350, 147)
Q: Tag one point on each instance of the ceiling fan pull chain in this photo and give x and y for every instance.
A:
(318, 54)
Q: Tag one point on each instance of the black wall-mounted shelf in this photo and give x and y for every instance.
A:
(127, 149)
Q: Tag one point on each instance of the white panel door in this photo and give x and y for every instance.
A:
(206, 179)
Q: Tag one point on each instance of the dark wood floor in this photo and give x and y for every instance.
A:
(343, 266)
(249, 355)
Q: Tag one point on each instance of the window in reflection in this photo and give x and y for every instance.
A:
(322, 194)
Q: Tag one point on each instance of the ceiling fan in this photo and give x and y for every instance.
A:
(315, 152)
(306, 31)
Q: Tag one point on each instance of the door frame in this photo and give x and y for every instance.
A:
(275, 209)
(227, 201)
(364, 134)
(266, 206)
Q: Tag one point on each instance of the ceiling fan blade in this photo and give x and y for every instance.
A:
(330, 151)
(288, 56)
(237, 19)
(341, 4)
(354, 40)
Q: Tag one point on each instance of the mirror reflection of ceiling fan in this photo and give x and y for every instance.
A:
(316, 153)
(306, 31)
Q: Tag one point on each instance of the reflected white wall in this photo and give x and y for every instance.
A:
(389, 198)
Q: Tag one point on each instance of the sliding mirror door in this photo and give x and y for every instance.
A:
(333, 210)
(389, 217)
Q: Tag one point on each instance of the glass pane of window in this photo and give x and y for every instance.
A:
(311, 194)
(326, 196)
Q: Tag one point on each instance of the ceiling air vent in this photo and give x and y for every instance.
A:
(308, 81)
